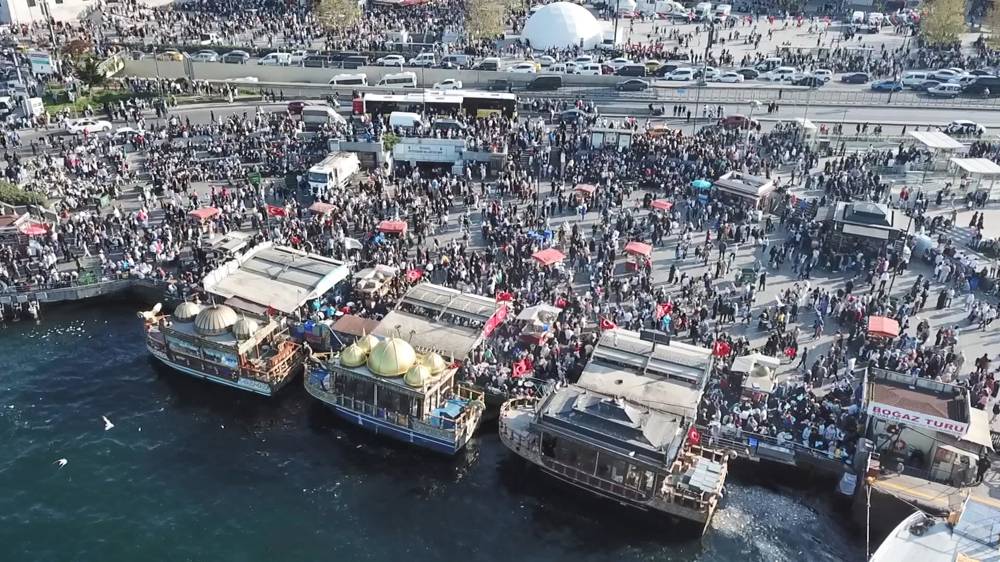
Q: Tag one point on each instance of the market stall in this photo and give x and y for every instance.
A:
(537, 322)
(395, 227)
(636, 254)
(548, 256)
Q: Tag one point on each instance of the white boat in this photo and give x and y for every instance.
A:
(972, 534)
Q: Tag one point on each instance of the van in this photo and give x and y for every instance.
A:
(876, 18)
(913, 78)
(858, 17)
(315, 116)
(488, 64)
(333, 172)
(946, 90)
(276, 59)
(781, 74)
(770, 63)
(703, 10)
(206, 39)
(982, 83)
(632, 70)
(722, 11)
(546, 82)
(459, 60)
(589, 69)
(423, 59)
(402, 79)
(354, 61)
(404, 120)
(349, 80)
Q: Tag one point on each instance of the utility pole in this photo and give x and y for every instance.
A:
(701, 81)
(48, 20)
(617, 7)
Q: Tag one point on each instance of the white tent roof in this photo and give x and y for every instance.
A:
(980, 166)
(936, 140)
(561, 25)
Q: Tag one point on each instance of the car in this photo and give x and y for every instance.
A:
(652, 65)
(583, 59)
(209, 39)
(945, 90)
(887, 86)
(545, 61)
(618, 62)
(298, 56)
(316, 61)
(391, 60)
(947, 74)
(964, 127)
(824, 74)
(710, 73)
(807, 80)
(558, 68)
(664, 69)
(748, 73)
(523, 68)
(236, 57)
(499, 85)
(738, 121)
(681, 74)
(126, 133)
(170, 55)
(573, 116)
(855, 78)
(87, 125)
(983, 72)
(782, 74)
(633, 85)
(923, 86)
(423, 59)
(448, 84)
(205, 56)
(731, 77)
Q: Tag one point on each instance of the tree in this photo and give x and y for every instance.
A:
(992, 22)
(335, 15)
(485, 19)
(90, 72)
(943, 22)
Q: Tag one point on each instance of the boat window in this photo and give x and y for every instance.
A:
(572, 454)
(417, 408)
(548, 445)
(648, 480)
(611, 468)
(634, 478)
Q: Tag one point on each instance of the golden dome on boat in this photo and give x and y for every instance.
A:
(392, 357)
(434, 363)
(186, 311)
(367, 343)
(245, 328)
(353, 356)
(215, 320)
(417, 376)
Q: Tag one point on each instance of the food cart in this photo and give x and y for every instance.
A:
(661, 205)
(883, 329)
(375, 281)
(202, 218)
(758, 372)
(394, 227)
(548, 257)
(584, 192)
(636, 254)
(537, 322)
(321, 208)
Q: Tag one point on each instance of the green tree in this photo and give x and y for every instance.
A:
(943, 22)
(335, 15)
(485, 19)
(90, 73)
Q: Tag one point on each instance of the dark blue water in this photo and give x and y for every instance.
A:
(197, 472)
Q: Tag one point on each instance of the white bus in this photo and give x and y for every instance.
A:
(349, 80)
(402, 79)
(333, 172)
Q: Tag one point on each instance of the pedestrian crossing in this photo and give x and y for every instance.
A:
(961, 236)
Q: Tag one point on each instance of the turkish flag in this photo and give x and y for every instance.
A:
(663, 309)
(276, 211)
(505, 296)
(694, 438)
(721, 348)
(607, 324)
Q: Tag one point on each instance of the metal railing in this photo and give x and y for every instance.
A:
(748, 443)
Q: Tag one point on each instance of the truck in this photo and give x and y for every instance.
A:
(333, 172)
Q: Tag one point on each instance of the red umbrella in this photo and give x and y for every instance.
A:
(34, 229)
(392, 227)
(548, 256)
(205, 213)
(638, 248)
(882, 327)
(662, 204)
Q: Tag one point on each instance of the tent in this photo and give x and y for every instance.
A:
(33, 229)
(562, 25)
(205, 213)
(662, 204)
(392, 227)
(638, 248)
(548, 256)
(882, 327)
(321, 208)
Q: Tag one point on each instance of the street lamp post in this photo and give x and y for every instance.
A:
(701, 81)
(754, 104)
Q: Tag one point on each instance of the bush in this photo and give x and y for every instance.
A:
(14, 195)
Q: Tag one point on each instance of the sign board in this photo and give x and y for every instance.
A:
(254, 178)
(41, 62)
(917, 419)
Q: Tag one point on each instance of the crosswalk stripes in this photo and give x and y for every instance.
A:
(961, 237)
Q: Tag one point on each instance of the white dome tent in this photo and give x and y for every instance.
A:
(562, 25)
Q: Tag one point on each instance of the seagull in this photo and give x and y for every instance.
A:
(61, 462)
(107, 423)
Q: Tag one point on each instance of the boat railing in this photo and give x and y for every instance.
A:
(596, 482)
(747, 443)
(469, 392)
(279, 365)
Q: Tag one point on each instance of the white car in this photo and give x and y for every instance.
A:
(523, 68)
(205, 56)
(545, 61)
(964, 127)
(731, 77)
(297, 57)
(559, 68)
(618, 63)
(87, 125)
(583, 59)
(711, 73)
(824, 74)
(391, 60)
(946, 75)
(782, 74)
(125, 133)
(448, 84)
(681, 74)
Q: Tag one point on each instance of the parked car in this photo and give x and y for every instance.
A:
(170, 55)
(523, 68)
(731, 77)
(945, 90)
(545, 61)
(946, 74)
(737, 121)
(887, 86)
(925, 85)
(824, 74)
(236, 57)
(807, 80)
(664, 69)
(633, 85)
(205, 56)
(87, 125)
(781, 74)
(391, 60)
(631, 69)
(448, 84)
(618, 62)
(423, 59)
(748, 73)
(855, 78)
(681, 74)
(710, 73)
(964, 127)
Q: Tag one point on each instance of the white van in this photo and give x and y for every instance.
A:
(402, 79)
(722, 11)
(589, 69)
(781, 74)
(946, 90)
(423, 59)
(404, 119)
(703, 10)
(914, 78)
(349, 80)
(858, 17)
(276, 59)
(333, 172)
(315, 116)
(769, 64)
(876, 18)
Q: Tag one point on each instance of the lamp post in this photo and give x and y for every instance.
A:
(701, 80)
(754, 104)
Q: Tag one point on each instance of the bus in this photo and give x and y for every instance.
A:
(483, 104)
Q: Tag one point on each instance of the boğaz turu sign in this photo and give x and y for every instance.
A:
(917, 419)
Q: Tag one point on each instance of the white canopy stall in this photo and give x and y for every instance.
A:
(979, 168)
(563, 25)
(937, 142)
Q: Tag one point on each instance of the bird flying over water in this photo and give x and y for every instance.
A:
(61, 462)
(107, 423)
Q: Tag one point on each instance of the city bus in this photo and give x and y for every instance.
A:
(424, 102)
(483, 104)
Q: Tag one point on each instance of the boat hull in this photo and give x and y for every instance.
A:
(244, 384)
(406, 435)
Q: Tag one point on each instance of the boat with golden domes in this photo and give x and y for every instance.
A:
(385, 386)
(220, 345)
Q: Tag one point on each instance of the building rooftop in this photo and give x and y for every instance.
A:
(919, 395)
